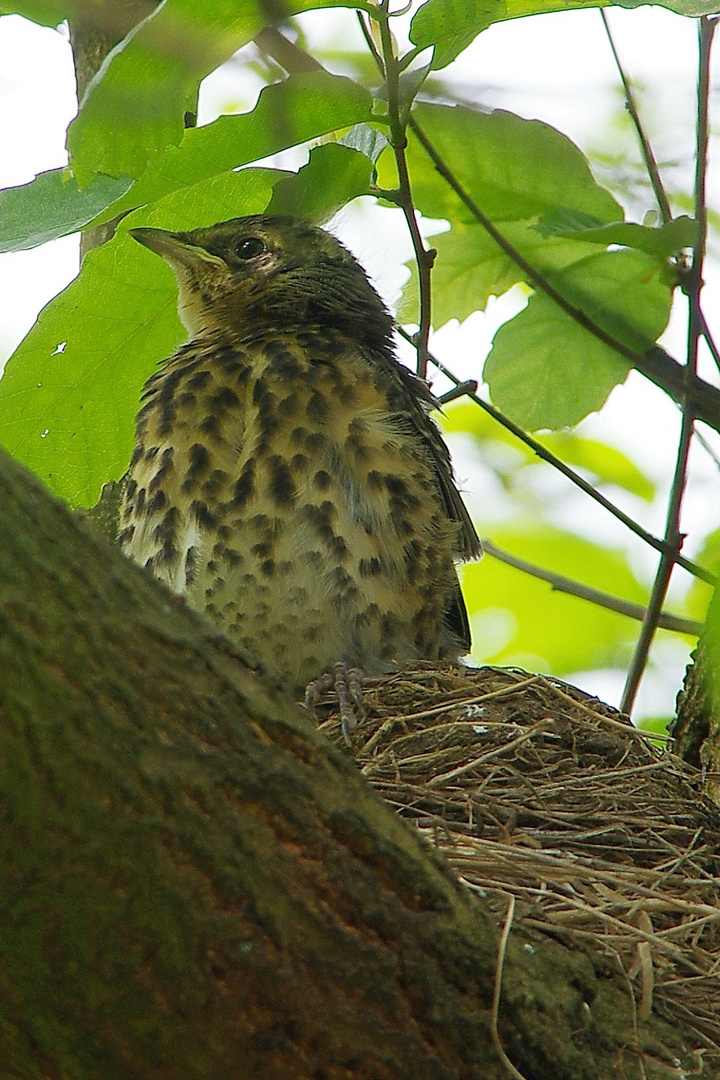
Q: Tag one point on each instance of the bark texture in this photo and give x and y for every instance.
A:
(696, 728)
(194, 883)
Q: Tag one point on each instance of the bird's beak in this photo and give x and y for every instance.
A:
(175, 250)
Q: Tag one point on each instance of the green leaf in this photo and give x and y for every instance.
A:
(303, 107)
(451, 25)
(52, 206)
(332, 177)
(369, 140)
(511, 611)
(470, 267)
(410, 83)
(515, 169)
(70, 392)
(547, 371)
(43, 12)
(690, 8)
(136, 102)
(662, 241)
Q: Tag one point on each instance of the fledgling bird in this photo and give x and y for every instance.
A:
(287, 478)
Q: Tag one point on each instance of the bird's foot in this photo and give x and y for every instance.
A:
(347, 683)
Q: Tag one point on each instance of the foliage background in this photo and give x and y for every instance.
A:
(522, 505)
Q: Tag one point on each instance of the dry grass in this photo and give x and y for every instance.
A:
(535, 791)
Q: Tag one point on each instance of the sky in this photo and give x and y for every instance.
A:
(557, 68)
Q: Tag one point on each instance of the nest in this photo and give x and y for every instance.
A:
(535, 791)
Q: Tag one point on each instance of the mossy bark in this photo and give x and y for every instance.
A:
(696, 728)
(195, 883)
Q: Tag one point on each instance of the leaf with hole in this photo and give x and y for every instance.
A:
(70, 392)
(303, 107)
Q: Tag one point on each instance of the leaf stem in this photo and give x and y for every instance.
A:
(693, 287)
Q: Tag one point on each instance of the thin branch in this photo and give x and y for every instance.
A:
(708, 449)
(459, 390)
(563, 584)
(424, 257)
(547, 455)
(655, 364)
(370, 43)
(647, 152)
(693, 288)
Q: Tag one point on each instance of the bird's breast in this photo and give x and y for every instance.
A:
(277, 490)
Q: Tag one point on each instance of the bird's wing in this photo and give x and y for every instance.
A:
(417, 398)
(456, 619)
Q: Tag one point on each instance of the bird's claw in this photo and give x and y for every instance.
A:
(347, 682)
(348, 687)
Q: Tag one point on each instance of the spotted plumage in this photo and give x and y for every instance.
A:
(287, 479)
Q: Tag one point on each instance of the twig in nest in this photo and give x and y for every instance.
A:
(495, 1035)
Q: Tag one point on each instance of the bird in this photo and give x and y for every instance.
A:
(287, 477)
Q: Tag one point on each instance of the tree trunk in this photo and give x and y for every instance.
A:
(95, 29)
(195, 883)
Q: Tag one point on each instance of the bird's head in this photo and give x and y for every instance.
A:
(261, 272)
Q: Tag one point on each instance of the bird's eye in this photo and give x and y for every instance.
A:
(249, 247)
